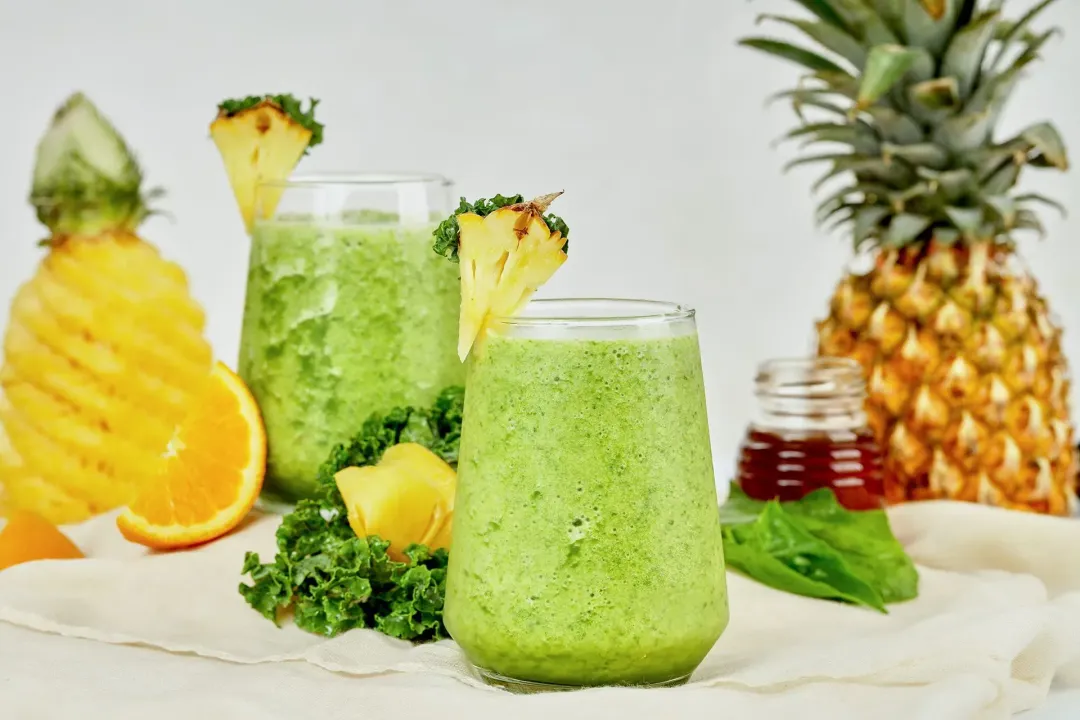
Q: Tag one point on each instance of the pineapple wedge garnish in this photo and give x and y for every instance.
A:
(261, 139)
(505, 257)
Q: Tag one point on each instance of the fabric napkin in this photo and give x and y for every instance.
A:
(997, 620)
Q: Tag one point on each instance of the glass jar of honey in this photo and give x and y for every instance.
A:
(811, 432)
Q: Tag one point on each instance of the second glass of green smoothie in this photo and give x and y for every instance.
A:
(586, 546)
(348, 312)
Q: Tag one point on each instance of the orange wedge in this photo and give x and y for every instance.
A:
(211, 474)
(28, 536)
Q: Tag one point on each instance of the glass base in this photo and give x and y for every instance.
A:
(528, 687)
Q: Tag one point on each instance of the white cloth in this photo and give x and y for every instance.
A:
(997, 619)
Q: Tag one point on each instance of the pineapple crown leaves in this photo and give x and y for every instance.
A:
(912, 92)
(448, 233)
(288, 104)
(86, 178)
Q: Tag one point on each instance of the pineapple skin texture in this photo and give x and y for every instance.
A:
(103, 355)
(968, 389)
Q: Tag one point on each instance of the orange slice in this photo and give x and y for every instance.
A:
(28, 536)
(211, 474)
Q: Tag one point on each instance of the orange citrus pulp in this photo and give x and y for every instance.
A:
(211, 473)
(28, 536)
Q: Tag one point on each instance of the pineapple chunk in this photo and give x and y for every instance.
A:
(416, 460)
(505, 257)
(259, 144)
(441, 539)
(407, 498)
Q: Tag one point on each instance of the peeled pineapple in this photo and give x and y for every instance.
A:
(408, 497)
(104, 351)
(505, 256)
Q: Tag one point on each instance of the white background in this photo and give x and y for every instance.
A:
(645, 112)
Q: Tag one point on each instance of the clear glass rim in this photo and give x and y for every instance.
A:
(597, 312)
(359, 180)
(811, 362)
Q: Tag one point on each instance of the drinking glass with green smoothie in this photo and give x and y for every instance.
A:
(586, 545)
(348, 312)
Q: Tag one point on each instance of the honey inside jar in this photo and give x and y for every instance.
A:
(810, 432)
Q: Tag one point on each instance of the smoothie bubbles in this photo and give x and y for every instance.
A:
(585, 480)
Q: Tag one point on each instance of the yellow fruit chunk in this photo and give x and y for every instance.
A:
(416, 460)
(52, 502)
(408, 497)
(396, 506)
(211, 474)
(505, 257)
(258, 144)
(441, 539)
(28, 536)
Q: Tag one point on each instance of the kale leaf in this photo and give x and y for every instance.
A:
(334, 581)
(448, 234)
(292, 107)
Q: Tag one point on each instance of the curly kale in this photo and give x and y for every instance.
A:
(448, 234)
(292, 107)
(334, 581)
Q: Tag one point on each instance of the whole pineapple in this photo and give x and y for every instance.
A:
(104, 350)
(967, 381)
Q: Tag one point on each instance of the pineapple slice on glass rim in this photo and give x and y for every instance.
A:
(507, 249)
(261, 138)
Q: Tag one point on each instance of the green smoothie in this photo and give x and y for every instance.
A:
(587, 547)
(342, 320)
